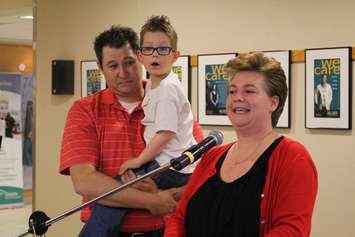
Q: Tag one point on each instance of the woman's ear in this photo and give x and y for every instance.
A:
(275, 100)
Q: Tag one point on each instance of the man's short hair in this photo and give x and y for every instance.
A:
(115, 37)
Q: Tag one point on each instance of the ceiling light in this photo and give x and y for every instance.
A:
(26, 17)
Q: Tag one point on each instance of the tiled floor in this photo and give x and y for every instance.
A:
(14, 221)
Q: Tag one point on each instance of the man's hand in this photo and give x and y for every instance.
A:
(176, 193)
(130, 164)
(162, 203)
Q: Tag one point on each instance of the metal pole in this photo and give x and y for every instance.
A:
(78, 208)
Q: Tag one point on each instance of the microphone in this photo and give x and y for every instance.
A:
(195, 152)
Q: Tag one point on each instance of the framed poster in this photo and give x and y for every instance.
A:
(181, 68)
(92, 80)
(328, 88)
(284, 58)
(212, 89)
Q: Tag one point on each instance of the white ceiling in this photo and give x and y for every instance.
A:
(13, 29)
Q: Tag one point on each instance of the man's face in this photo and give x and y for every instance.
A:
(122, 71)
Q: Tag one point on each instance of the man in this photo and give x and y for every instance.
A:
(104, 130)
(323, 96)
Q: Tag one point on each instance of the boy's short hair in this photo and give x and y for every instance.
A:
(115, 37)
(160, 24)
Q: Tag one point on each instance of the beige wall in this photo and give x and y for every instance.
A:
(10, 5)
(66, 28)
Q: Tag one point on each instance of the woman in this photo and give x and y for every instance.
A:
(263, 184)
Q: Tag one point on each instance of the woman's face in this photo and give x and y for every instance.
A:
(248, 104)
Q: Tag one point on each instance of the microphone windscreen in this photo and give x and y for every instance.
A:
(218, 136)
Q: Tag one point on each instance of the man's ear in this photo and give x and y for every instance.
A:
(139, 56)
(99, 65)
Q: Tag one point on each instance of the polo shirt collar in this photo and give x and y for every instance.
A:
(109, 98)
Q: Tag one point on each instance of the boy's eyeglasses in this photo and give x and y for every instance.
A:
(160, 50)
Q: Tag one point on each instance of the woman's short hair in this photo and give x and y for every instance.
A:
(275, 79)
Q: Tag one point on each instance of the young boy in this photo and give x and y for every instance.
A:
(168, 120)
(168, 117)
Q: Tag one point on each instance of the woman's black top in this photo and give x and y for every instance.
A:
(220, 209)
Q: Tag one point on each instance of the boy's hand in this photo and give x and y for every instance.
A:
(128, 176)
(130, 164)
(145, 185)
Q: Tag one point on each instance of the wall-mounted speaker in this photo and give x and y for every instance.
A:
(63, 77)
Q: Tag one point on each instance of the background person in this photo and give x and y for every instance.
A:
(10, 125)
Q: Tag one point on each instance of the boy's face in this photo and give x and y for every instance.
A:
(158, 65)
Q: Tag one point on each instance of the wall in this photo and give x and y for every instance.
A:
(11, 5)
(14, 55)
(66, 29)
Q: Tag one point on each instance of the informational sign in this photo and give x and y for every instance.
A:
(11, 175)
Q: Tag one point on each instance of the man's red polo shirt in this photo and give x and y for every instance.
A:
(99, 131)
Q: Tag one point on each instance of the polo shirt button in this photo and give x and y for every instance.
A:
(262, 195)
(262, 222)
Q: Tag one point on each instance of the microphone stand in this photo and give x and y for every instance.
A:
(39, 221)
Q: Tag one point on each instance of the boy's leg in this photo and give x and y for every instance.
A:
(171, 179)
(151, 165)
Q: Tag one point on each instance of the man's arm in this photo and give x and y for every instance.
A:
(91, 183)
